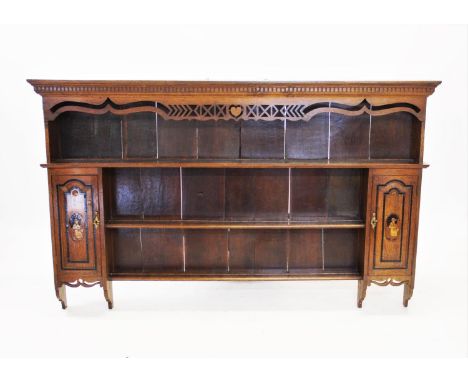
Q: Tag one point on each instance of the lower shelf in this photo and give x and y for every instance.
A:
(260, 275)
(234, 253)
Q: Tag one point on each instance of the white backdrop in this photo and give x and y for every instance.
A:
(232, 319)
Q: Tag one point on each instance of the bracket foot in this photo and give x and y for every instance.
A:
(362, 288)
(108, 294)
(61, 294)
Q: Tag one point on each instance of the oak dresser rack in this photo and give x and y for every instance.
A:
(164, 180)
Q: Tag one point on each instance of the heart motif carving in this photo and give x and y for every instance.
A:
(235, 111)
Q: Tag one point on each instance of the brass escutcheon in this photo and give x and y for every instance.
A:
(96, 220)
(373, 221)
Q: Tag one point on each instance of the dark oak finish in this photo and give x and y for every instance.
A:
(155, 180)
(205, 251)
(308, 139)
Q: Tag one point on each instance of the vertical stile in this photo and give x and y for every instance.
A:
(141, 192)
(157, 134)
(124, 155)
(183, 250)
(284, 134)
(181, 195)
(329, 132)
(289, 194)
(323, 250)
(228, 250)
(224, 218)
(196, 139)
(141, 250)
(289, 219)
(370, 132)
(181, 217)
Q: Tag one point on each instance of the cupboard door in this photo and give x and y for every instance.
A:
(76, 205)
(393, 220)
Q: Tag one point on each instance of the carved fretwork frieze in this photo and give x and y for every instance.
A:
(245, 112)
(265, 112)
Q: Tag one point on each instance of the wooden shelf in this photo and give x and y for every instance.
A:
(264, 275)
(241, 163)
(220, 224)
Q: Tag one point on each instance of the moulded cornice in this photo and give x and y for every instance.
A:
(51, 87)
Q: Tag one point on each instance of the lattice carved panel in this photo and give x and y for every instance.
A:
(265, 112)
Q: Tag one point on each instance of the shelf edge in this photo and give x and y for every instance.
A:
(230, 165)
(238, 277)
(227, 225)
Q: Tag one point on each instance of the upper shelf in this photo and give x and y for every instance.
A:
(234, 124)
(241, 163)
(75, 136)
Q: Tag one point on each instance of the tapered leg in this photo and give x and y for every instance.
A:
(107, 286)
(362, 288)
(61, 295)
(408, 292)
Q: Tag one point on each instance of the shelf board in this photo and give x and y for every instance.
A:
(226, 224)
(237, 163)
(262, 275)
